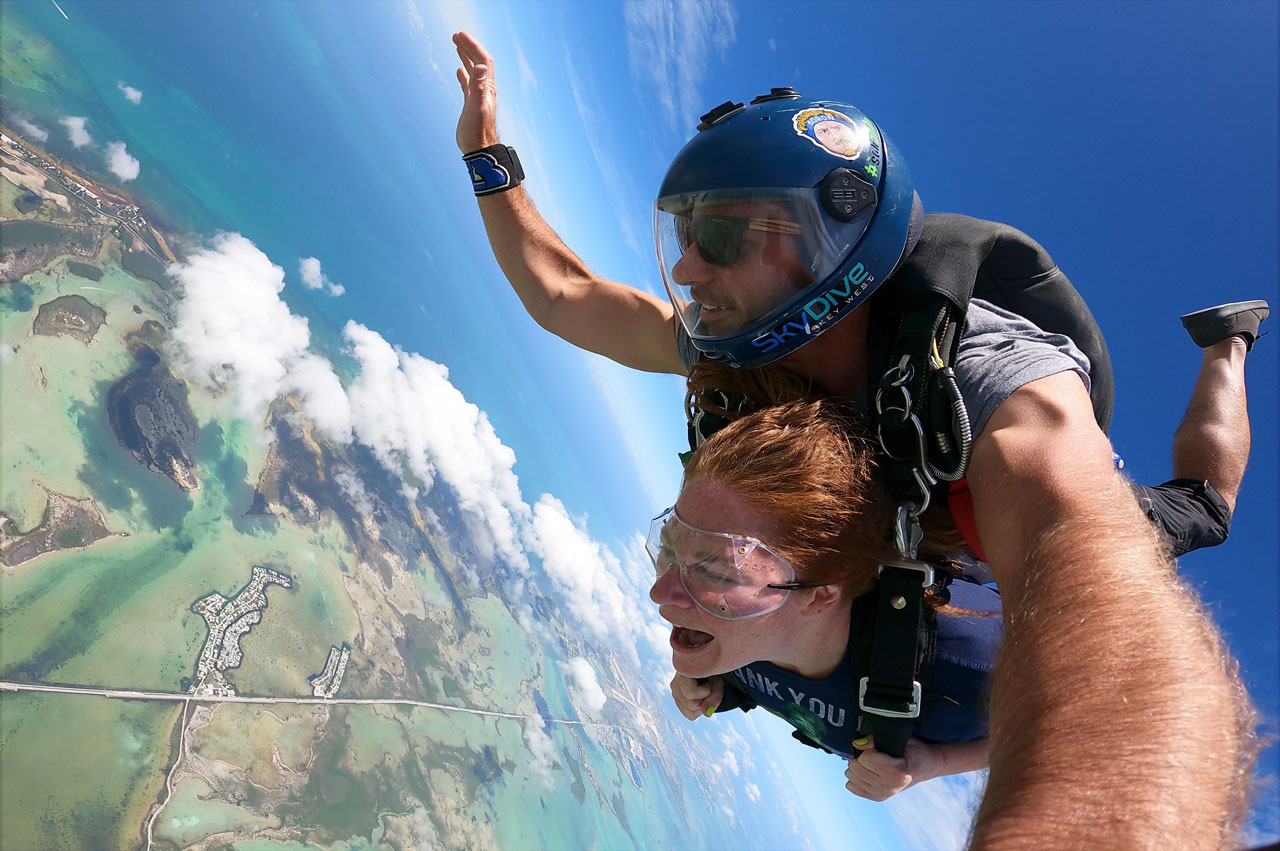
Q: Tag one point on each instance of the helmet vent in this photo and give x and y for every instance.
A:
(720, 113)
(777, 93)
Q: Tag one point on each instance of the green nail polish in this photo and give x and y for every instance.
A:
(861, 741)
(711, 710)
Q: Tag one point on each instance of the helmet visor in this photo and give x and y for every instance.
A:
(732, 577)
(732, 258)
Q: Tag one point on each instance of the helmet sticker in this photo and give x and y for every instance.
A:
(872, 165)
(832, 131)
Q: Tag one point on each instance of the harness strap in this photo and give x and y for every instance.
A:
(924, 437)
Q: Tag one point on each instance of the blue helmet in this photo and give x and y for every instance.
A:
(778, 219)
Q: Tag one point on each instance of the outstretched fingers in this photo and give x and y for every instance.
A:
(471, 51)
(477, 124)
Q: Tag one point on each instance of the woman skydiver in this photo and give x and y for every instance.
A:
(775, 558)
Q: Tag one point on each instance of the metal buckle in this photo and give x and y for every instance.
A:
(904, 564)
(912, 710)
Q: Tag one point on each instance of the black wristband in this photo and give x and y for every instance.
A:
(494, 169)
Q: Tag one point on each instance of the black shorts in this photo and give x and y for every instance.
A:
(1189, 513)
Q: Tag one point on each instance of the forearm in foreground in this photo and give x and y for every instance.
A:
(1116, 720)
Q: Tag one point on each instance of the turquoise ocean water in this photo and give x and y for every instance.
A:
(304, 128)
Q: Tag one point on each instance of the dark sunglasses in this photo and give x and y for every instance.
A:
(719, 238)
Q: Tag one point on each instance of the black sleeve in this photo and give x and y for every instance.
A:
(1190, 514)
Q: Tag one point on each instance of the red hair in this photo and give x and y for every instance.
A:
(809, 467)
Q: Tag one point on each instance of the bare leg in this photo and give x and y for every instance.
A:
(1212, 444)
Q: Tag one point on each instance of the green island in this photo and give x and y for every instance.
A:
(234, 645)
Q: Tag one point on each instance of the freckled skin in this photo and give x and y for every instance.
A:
(792, 636)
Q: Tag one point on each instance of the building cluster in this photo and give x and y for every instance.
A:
(229, 621)
(128, 215)
(75, 187)
(325, 684)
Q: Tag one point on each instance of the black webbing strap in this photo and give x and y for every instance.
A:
(918, 420)
(889, 696)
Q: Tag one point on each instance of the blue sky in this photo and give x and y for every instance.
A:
(1136, 141)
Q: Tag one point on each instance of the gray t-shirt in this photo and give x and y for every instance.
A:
(999, 352)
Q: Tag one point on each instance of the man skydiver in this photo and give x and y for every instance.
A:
(1058, 523)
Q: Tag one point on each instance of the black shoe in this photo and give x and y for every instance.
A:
(1241, 319)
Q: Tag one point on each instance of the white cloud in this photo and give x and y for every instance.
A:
(773, 45)
(542, 749)
(753, 792)
(309, 269)
(1262, 825)
(313, 380)
(668, 42)
(6, 354)
(416, 24)
(584, 688)
(353, 489)
(733, 745)
(232, 332)
(75, 130)
(449, 19)
(406, 410)
(28, 127)
(424, 831)
(131, 94)
(952, 803)
(121, 164)
(314, 279)
(593, 583)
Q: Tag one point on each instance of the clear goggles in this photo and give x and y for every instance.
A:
(765, 248)
(732, 577)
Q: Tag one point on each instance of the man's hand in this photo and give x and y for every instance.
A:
(561, 293)
(878, 777)
(478, 124)
(693, 699)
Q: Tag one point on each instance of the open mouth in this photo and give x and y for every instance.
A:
(685, 639)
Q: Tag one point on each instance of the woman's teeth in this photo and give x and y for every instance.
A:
(692, 638)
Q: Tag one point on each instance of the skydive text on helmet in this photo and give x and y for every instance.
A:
(824, 307)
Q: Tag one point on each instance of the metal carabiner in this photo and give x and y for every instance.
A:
(907, 532)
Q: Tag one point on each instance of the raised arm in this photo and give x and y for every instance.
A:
(1114, 719)
(562, 295)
